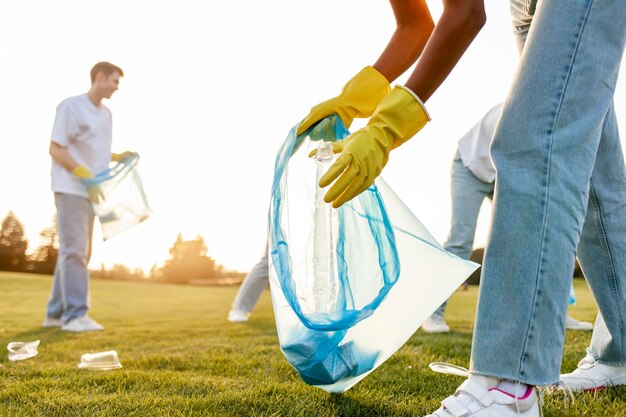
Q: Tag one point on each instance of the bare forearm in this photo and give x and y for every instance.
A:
(62, 156)
(456, 29)
(414, 26)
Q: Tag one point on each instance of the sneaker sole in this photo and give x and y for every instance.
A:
(435, 331)
(81, 331)
(610, 383)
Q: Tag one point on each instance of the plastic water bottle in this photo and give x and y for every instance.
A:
(324, 279)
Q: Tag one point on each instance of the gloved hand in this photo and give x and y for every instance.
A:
(82, 172)
(95, 193)
(121, 157)
(399, 116)
(358, 98)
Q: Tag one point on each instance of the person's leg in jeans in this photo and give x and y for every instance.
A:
(250, 290)
(468, 193)
(55, 302)
(544, 151)
(603, 245)
(600, 253)
(75, 219)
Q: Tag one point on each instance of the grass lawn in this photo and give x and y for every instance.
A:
(182, 358)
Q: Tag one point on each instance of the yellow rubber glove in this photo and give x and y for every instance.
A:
(82, 172)
(95, 193)
(358, 98)
(399, 116)
(121, 157)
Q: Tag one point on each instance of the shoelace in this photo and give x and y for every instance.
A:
(450, 369)
(568, 393)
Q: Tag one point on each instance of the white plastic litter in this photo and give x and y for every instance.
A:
(100, 361)
(18, 351)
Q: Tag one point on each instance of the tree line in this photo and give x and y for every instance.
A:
(188, 262)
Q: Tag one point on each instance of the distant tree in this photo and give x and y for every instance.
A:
(188, 262)
(118, 272)
(13, 244)
(155, 273)
(45, 257)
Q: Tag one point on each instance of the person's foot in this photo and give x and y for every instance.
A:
(592, 375)
(435, 324)
(237, 316)
(574, 324)
(82, 324)
(472, 399)
(52, 322)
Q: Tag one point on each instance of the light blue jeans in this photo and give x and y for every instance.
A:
(561, 182)
(468, 194)
(69, 297)
(252, 286)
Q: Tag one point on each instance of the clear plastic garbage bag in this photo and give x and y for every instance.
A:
(122, 203)
(350, 285)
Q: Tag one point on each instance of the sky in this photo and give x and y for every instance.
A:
(211, 90)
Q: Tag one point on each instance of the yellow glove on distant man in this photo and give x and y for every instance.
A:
(95, 193)
(358, 98)
(82, 172)
(120, 157)
(399, 116)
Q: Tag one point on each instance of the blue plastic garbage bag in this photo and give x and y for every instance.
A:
(122, 202)
(350, 285)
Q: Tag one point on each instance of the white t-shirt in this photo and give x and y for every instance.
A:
(85, 131)
(474, 146)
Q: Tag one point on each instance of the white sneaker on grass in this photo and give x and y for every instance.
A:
(237, 316)
(574, 324)
(435, 324)
(592, 375)
(52, 322)
(472, 399)
(82, 324)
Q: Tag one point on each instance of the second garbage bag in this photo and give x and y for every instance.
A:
(122, 201)
(350, 285)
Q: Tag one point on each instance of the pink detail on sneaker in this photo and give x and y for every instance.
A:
(600, 388)
(523, 397)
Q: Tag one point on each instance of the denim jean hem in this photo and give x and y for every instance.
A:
(600, 361)
(536, 383)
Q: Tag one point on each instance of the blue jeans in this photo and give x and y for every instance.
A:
(69, 297)
(561, 182)
(468, 194)
(252, 286)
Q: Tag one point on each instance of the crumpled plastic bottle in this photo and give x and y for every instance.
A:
(18, 351)
(324, 238)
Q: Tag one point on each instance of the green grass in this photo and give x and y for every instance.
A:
(182, 358)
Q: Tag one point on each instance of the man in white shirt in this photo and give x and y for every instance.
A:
(472, 180)
(80, 146)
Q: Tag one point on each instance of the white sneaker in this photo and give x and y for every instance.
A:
(82, 324)
(472, 399)
(574, 324)
(591, 375)
(435, 324)
(52, 322)
(237, 316)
